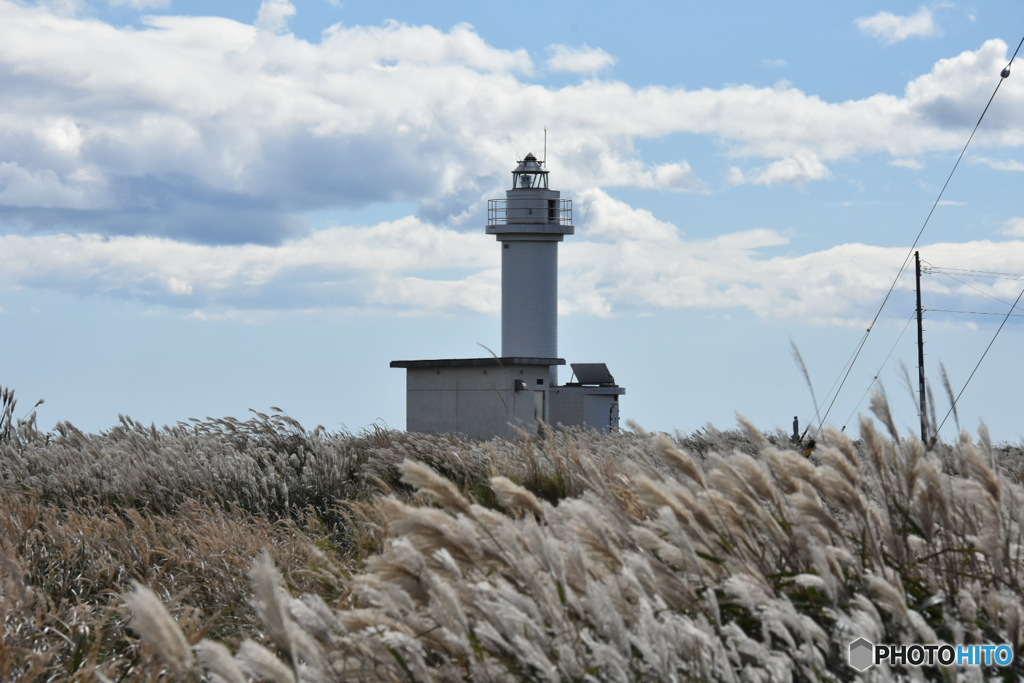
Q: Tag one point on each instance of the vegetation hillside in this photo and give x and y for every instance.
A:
(257, 549)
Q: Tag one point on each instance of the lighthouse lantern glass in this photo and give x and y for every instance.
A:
(530, 174)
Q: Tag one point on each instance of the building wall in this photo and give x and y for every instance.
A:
(480, 402)
(595, 407)
(529, 298)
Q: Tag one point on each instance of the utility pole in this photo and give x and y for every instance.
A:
(920, 351)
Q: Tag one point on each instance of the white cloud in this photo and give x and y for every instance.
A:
(679, 177)
(212, 116)
(912, 164)
(893, 28)
(953, 95)
(579, 60)
(66, 8)
(608, 219)
(385, 264)
(141, 4)
(596, 167)
(216, 126)
(621, 259)
(730, 271)
(273, 15)
(798, 169)
(841, 285)
(1013, 227)
(183, 180)
(22, 187)
(999, 164)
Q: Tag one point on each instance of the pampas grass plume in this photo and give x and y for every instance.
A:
(156, 626)
(511, 496)
(428, 481)
(217, 659)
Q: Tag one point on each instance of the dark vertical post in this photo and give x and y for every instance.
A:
(920, 351)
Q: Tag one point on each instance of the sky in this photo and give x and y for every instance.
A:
(208, 208)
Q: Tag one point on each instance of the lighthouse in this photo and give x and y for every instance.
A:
(529, 223)
(518, 391)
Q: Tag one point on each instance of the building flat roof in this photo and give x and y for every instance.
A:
(477, 362)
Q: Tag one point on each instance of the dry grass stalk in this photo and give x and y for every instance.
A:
(714, 556)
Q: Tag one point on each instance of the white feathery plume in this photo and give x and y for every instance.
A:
(680, 459)
(923, 633)
(511, 496)
(886, 595)
(155, 625)
(426, 480)
(259, 662)
(217, 659)
(272, 605)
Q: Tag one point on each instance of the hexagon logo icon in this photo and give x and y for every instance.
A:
(862, 654)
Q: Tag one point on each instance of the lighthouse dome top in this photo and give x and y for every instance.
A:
(529, 174)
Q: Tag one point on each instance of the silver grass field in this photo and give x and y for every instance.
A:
(238, 550)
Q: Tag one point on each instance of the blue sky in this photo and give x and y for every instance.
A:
(205, 214)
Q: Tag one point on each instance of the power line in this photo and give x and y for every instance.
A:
(940, 270)
(1000, 329)
(879, 371)
(944, 310)
(979, 291)
(1004, 74)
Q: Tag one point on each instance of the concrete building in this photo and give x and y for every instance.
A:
(488, 397)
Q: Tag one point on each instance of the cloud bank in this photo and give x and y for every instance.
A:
(177, 162)
(625, 261)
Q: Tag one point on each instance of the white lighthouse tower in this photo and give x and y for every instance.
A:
(518, 391)
(529, 223)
